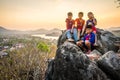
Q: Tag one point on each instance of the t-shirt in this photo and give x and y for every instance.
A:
(69, 23)
(90, 22)
(90, 37)
(80, 23)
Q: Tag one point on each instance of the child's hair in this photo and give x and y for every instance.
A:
(90, 13)
(80, 13)
(69, 14)
(89, 26)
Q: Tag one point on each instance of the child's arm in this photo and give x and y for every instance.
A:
(92, 39)
(94, 21)
(83, 39)
(66, 21)
(75, 23)
(84, 27)
(73, 26)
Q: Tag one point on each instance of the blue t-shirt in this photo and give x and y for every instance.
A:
(90, 37)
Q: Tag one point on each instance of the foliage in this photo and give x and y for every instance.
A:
(43, 47)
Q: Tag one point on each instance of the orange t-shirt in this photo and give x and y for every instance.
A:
(79, 23)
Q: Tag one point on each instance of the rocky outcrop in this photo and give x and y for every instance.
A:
(110, 64)
(106, 41)
(71, 63)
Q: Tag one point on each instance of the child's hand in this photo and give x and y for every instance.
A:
(94, 20)
(71, 30)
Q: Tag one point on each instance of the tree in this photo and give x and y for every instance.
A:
(118, 2)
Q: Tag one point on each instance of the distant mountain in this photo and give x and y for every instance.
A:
(7, 31)
(52, 32)
(39, 31)
(115, 30)
(2, 29)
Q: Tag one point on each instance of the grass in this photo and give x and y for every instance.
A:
(28, 63)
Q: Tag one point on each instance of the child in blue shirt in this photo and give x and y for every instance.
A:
(89, 39)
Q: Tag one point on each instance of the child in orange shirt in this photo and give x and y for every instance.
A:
(79, 23)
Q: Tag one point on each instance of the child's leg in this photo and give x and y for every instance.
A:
(75, 34)
(79, 31)
(95, 37)
(69, 34)
(88, 44)
(95, 31)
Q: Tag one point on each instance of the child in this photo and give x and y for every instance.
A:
(70, 28)
(79, 23)
(88, 40)
(93, 22)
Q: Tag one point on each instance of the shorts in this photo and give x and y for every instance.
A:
(94, 29)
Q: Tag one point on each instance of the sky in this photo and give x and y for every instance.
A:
(48, 14)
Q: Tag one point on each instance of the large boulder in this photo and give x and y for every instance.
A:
(110, 64)
(106, 41)
(71, 63)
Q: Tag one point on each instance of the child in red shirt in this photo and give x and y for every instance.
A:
(79, 23)
(70, 28)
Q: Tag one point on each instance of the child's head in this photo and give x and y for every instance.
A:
(90, 15)
(70, 15)
(88, 29)
(80, 14)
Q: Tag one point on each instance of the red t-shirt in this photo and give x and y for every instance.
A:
(69, 23)
(80, 23)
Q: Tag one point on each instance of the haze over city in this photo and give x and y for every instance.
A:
(48, 14)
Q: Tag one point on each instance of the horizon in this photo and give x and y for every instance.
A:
(36, 14)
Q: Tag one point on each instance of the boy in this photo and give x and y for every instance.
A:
(93, 22)
(70, 28)
(89, 39)
(79, 23)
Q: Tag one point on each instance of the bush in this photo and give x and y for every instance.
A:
(43, 47)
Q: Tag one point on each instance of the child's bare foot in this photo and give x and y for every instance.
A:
(95, 44)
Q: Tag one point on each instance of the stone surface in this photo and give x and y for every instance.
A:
(110, 64)
(94, 55)
(106, 41)
(71, 63)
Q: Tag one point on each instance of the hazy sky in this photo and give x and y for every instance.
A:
(35, 14)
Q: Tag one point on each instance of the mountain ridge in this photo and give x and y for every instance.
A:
(54, 31)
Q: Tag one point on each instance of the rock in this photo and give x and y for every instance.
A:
(95, 52)
(71, 63)
(62, 38)
(110, 64)
(106, 41)
(94, 55)
(50, 70)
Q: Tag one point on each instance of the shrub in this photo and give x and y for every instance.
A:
(43, 47)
